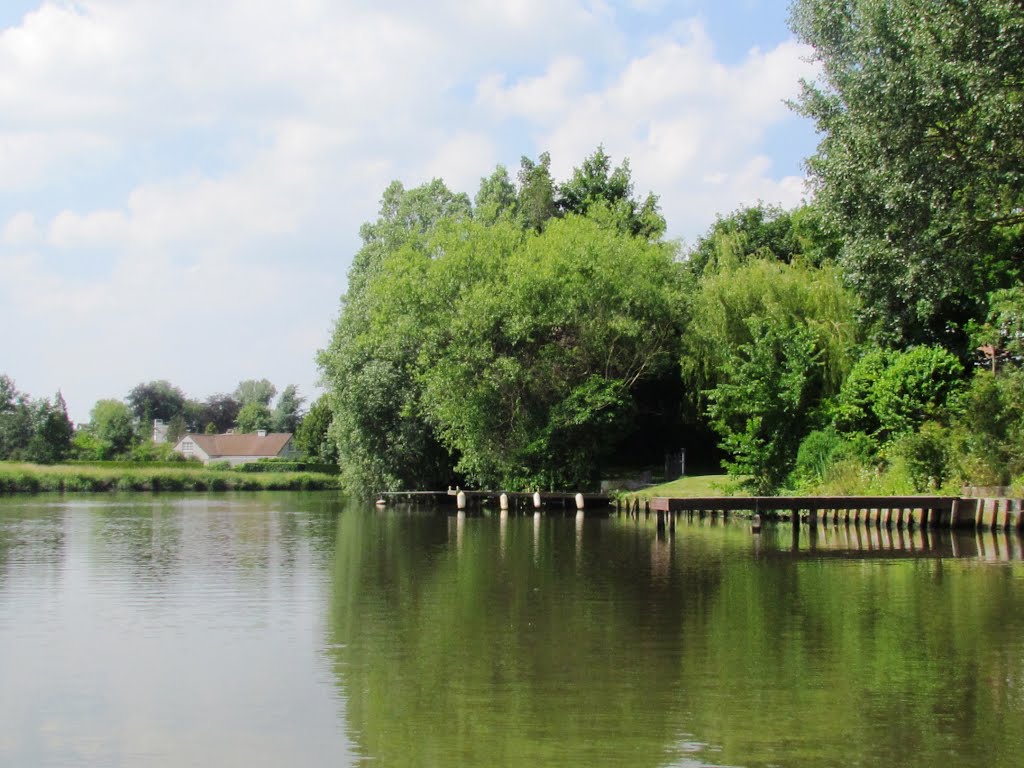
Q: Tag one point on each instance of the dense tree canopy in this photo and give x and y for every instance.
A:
(496, 344)
(921, 111)
(156, 400)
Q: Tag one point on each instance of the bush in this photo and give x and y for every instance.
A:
(925, 454)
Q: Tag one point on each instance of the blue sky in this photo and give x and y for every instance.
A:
(182, 184)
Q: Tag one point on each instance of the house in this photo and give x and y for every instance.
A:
(238, 448)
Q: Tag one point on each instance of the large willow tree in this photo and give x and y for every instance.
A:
(506, 346)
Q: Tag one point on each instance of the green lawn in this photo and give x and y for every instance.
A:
(691, 485)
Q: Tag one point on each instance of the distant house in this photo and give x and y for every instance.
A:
(238, 448)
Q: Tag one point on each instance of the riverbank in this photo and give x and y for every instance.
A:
(39, 478)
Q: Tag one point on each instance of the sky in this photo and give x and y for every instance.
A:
(182, 183)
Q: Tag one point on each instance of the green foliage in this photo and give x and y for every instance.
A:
(914, 387)
(16, 422)
(259, 391)
(312, 436)
(786, 295)
(470, 347)
(594, 188)
(496, 197)
(764, 232)
(988, 433)
(766, 343)
(33, 478)
(219, 411)
(383, 440)
(177, 428)
(921, 110)
(285, 465)
(536, 193)
(254, 416)
(926, 455)
(112, 424)
(287, 413)
(155, 400)
(853, 409)
(762, 406)
(52, 431)
(532, 368)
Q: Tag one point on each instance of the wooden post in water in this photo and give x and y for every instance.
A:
(503, 502)
(536, 499)
(460, 500)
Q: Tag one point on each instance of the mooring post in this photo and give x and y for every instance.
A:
(536, 499)
(579, 501)
(503, 502)
(460, 500)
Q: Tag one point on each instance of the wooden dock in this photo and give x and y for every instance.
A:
(881, 511)
(598, 502)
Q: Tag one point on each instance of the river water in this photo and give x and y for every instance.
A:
(304, 630)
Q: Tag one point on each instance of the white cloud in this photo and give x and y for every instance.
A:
(540, 98)
(181, 184)
(21, 229)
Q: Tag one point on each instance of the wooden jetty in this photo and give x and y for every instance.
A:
(516, 500)
(881, 511)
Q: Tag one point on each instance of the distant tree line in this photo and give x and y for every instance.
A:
(542, 332)
(40, 431)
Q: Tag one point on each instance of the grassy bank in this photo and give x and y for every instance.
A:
(689, 486)
(37, 478)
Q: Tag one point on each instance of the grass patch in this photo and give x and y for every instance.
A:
(688, 487)
(60, 478)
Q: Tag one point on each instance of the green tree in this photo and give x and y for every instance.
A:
(531, 362)
(767, 232)
(51, 438)
(915, 387)
(112, 423)
(767, 343)
(287, 411)
(382, 436)
(312, 436)
(536, 204)
(253, 417)
(259, 391)
(921, 111)
(177, 428)
(155, 400)
(761, 408)
(495, 198)
(595, 185)
(219, 411)
(15, 420)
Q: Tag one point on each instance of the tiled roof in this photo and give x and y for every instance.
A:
(250, 444)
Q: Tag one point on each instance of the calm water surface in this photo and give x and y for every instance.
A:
(302, 630)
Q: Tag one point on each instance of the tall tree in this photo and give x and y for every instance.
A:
(312, 436)
(155, 400)
(919, 166)
(112, 424)
(287, 411)
(595, 185)
(767, 342)
(495, 198)
(383, 439)
(254, 416)
(220, 410)
(255, 391)
(51, 439)
(15, 420)
(536, 203)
